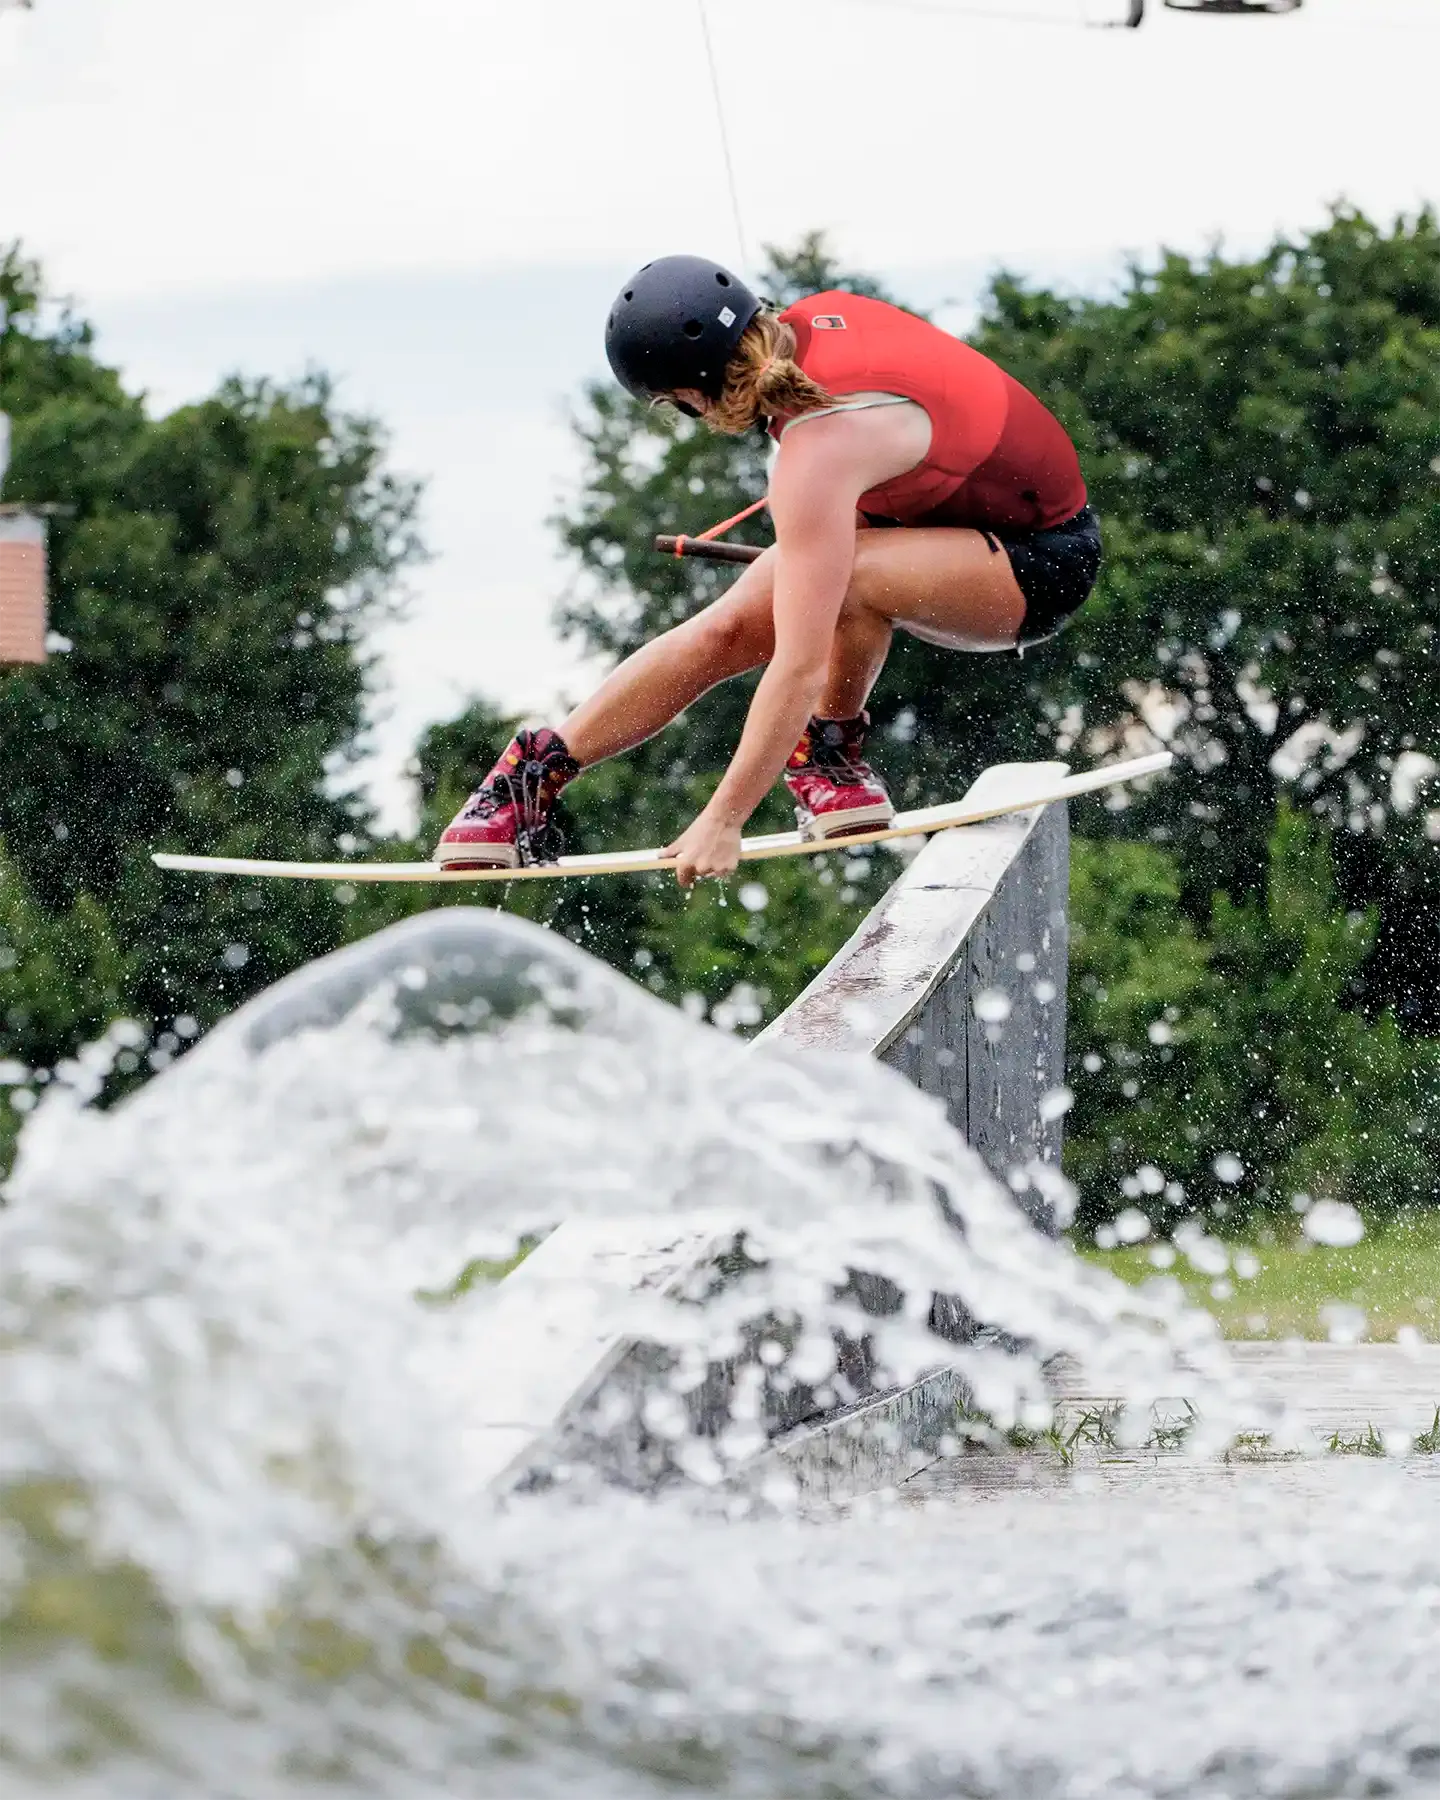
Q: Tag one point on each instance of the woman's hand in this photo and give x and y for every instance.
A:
(707, 847)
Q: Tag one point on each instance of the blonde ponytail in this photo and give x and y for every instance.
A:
(763, 380)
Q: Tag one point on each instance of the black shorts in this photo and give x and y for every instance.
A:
(1055, 571)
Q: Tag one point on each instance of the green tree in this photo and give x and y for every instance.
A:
(63, 978)
(1262, 439)
(1230, 1072)
(216, 581)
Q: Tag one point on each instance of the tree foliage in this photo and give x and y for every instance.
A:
(1262, 438)
(216, 581)
(1227, 1070)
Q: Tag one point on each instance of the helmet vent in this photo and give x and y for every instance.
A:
(693, 328)
(722, 278)
(629, 293)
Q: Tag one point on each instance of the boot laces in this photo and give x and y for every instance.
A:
(526, 788)
(835, 761)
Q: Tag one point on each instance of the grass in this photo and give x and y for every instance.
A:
(1257, 1446)
(1392, 1275)
(1369, 1442)
(1099, 1428)
(1427, 1442)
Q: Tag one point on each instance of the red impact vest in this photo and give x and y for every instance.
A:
(997, 459)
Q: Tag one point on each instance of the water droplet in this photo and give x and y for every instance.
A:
(1344, 1324)
(1334, 1223)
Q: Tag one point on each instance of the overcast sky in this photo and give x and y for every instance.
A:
(437, 199)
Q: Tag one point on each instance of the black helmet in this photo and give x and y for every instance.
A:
(676, 324)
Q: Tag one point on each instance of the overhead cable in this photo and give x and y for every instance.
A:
(724, 139)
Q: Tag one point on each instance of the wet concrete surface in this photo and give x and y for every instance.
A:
(1327, 1420)
(1310, 1392)
(1167, 1478)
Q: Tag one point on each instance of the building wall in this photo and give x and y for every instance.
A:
(22, 588)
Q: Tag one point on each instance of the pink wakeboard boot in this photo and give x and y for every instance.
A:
(834, 789)
(506, 822)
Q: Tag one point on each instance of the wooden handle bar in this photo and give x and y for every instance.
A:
(731, 553)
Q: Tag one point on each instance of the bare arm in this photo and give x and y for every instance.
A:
(821, 472)
(812, 500)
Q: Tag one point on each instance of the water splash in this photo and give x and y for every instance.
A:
(242, 1546)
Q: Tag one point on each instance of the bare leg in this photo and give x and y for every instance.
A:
(658, 682)
(945, 584)
(862, 642)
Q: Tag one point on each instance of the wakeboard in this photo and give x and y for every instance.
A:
(1003, 788)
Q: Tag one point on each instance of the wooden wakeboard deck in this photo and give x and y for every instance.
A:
(1005, 788)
